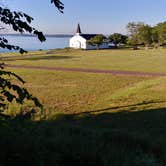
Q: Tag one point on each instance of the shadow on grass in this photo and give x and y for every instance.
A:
(116, 139)
(122, 107)
(35, 58)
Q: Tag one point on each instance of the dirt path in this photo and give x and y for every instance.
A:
(113, 72)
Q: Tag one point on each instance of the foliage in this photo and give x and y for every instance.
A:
(161, 33)
(10, 92)
(133, 33)
(97, 41)
(145, 35)
(155, 37)
(118, 38)
(58, 4)
(19, 22)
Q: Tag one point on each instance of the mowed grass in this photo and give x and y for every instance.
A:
(71, 92)
(91, 119)
(152, 60)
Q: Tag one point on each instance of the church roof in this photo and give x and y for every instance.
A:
(78, 29)
(88, 36)
(85, 36)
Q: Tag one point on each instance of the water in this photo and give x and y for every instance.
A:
(31, 43)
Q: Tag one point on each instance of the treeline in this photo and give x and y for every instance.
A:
(141, 34)
(144, 34)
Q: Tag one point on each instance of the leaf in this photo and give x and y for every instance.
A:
(40, 35)
(58, 4)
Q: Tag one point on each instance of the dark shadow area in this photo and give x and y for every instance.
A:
(122, 107)
(60, 52)
(116, 139)
(35, 58)
(18, 56)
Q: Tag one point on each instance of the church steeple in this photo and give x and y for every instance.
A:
(78, 29)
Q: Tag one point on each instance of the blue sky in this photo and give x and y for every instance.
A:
(95, 16)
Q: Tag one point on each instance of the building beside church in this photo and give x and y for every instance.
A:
(79, 41)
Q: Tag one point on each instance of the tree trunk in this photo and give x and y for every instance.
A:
(116, 45)
(146, 46)
(156, 45)
(135, 47)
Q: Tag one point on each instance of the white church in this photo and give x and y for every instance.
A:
(79, 41)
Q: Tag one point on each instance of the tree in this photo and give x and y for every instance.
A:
(19, 22)
(97, 41)
(145, 35)
(133, 33)
(155, 37)
(117, 39)
(140, 33)
(160, 32)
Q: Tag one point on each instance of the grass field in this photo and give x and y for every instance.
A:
(91, 119)
(71, 92)
(139, 60)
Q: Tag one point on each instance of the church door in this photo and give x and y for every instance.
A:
(78, 44)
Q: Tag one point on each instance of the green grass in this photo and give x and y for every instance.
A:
(139, 60)
(70, 92)
(75, 92)
(91, 119)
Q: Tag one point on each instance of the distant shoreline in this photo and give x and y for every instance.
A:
(31, 35)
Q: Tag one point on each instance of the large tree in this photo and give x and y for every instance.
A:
(97, 41)
(145, 35)
(160, 30)
(19, 22)
(117, 39)
(155, 37)
(133, 33)
(140, 33)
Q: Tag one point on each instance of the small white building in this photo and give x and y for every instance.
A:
(79, 41)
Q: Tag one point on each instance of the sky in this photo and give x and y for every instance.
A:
(94, 16)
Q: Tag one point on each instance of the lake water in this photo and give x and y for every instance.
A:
(31, 43)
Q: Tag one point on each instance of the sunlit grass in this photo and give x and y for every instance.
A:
(69, 92)
(141, 60)
(74, 92)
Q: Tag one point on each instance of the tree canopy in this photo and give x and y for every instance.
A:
(133, 33)
(161, 32)
(144, 34)
(97, 40)
(118, 38)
